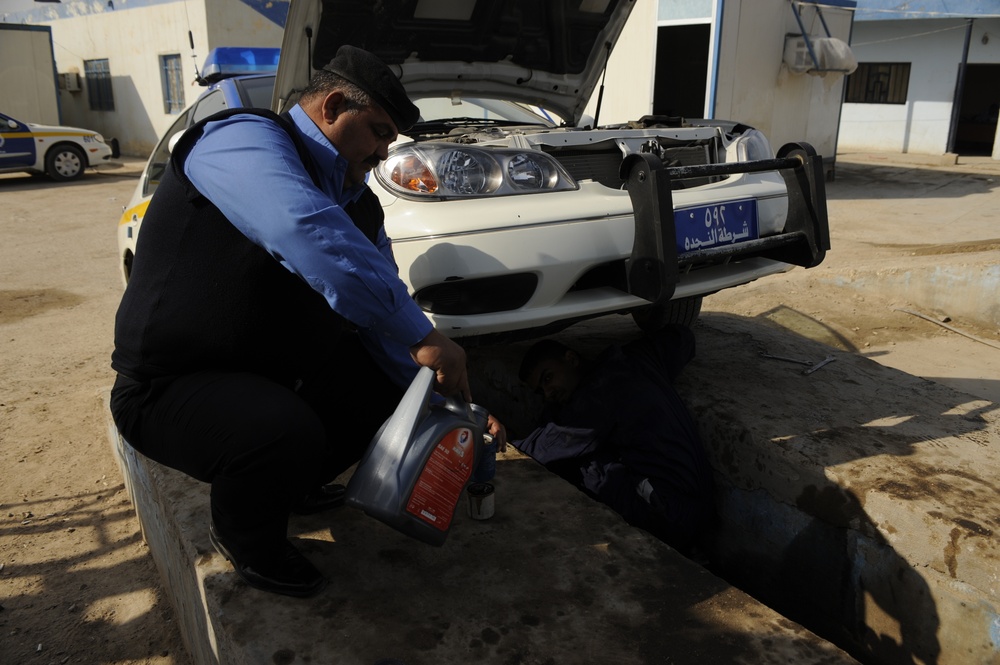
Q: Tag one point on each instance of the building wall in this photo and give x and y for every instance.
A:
(27, 77)
(244, 23)
(628, 90)
(756, 87)
(934, 49)
(133, 36)
(752, 85)
(132, 41)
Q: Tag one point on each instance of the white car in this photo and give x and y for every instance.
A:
(62, 153)
(230, 82)
(509, 218)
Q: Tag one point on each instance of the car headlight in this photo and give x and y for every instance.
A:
(446, 171)
(99, 138)
(752, 146)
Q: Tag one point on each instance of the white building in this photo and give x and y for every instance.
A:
(725, 60)
(695, 58)
(928, 81)
(127, 67)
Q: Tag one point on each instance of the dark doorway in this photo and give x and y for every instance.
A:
(978, 110)
(681, 70)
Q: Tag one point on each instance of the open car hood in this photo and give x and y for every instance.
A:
(548, 53)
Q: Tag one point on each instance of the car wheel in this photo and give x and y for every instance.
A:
(684, 311)
(65, 162)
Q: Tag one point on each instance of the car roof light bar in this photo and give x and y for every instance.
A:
(227, 61)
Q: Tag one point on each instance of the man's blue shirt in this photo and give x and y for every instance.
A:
(249, 168)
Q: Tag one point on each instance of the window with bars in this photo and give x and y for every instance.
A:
(878, 83)
(99, 93)
(173, 83)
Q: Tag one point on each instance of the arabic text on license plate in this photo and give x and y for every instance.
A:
(715, 225)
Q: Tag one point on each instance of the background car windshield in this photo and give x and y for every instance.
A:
(444, 108)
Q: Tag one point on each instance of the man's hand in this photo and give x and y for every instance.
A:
(499, 433)
(447, 359)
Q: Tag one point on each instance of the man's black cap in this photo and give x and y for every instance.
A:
(372, 75)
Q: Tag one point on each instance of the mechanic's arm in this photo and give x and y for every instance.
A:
(499, 433)
(401, 363)
(553, 443)
(249, 167)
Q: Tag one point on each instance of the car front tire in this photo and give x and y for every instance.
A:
(65, 162)
(684, 311)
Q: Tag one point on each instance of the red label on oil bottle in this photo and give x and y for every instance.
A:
(444, 476)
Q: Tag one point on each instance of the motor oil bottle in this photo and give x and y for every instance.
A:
(416, 467)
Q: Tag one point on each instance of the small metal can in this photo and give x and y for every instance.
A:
(481, 501)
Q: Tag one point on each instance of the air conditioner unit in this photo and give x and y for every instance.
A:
(831, 55)
(69, 81)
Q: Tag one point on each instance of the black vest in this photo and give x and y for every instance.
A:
(202, 296)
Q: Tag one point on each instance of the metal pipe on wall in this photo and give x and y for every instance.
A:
(956, 104)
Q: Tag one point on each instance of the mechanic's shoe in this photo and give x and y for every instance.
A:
(321, 499)
(292, 575)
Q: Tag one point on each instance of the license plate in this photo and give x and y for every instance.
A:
(717, 225)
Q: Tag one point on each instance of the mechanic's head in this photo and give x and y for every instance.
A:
(552, 369)
(360, 105)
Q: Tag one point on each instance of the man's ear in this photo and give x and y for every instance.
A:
(572, 358)
(333, 105)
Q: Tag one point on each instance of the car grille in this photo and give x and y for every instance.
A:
(602, 162)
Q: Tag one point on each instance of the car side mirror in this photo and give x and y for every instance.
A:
(173, 141)
(11, 124)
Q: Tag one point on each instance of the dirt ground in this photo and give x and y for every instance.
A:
(77, 583)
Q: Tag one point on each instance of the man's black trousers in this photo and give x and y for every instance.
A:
(260, 444)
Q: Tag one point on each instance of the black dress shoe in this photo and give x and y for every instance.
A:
(321, 499)
(291, 575)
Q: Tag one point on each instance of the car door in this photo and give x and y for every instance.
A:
(17, 145)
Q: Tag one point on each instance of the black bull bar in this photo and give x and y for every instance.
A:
(654, 266)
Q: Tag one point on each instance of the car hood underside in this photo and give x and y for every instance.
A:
(547, 53)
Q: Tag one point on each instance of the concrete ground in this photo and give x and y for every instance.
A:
(861, 500)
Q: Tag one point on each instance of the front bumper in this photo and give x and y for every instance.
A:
(654, 267)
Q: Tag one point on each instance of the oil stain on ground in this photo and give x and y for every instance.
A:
(20, 304)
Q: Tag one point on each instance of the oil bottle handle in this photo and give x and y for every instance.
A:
(473, 412)
(458, 406)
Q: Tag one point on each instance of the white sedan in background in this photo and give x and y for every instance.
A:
(62, 153)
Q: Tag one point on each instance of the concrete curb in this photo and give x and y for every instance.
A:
(551, 577)
(966, 290)
(947, 161)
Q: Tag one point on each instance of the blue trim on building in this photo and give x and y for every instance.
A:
(713, 78)
(27, 11)
(273, 10)
(836, 4)
(884, 10)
